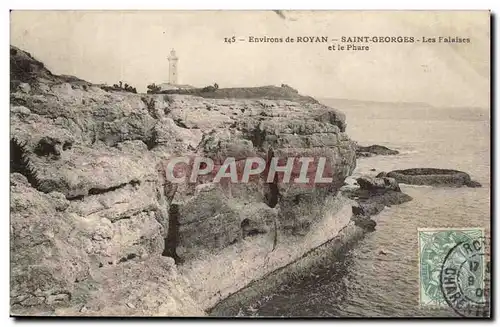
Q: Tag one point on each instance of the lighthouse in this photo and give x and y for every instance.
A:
(172, 69)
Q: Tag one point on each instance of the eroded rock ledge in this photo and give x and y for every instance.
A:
(94, 219)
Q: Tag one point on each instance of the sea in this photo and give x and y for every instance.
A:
(378, 277)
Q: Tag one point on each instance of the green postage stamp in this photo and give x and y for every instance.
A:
(452, 268)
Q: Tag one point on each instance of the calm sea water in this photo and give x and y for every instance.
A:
(366, 282)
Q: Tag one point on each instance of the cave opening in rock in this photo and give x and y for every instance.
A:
(273, 196)
(46, 147)
(172, 239)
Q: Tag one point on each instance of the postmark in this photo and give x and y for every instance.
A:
(434, 246)
(464, 278)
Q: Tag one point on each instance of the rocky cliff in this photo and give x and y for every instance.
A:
(95, 224)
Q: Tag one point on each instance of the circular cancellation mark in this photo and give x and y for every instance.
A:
(464, 279)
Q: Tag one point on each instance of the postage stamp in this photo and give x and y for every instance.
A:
(451, 256)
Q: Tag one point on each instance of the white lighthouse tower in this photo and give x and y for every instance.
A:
(172, 70)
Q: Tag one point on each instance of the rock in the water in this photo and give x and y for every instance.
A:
(372, 150)
(433, 177)
(372, 196)
(473, 184)
(368, 208)
(365, 222)
(374, 183)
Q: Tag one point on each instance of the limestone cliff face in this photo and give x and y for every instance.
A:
(93, 215)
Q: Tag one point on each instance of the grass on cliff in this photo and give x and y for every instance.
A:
(260, 92)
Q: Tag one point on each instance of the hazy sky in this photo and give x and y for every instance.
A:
(107, 46)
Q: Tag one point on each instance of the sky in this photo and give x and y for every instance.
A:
(133, 46)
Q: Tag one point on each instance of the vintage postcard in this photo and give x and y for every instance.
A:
(250, 163)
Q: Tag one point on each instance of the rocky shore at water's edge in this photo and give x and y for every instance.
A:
(363, 202)
(97, 229)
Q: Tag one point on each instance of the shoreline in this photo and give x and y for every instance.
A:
(334, 247)
(362, 204)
